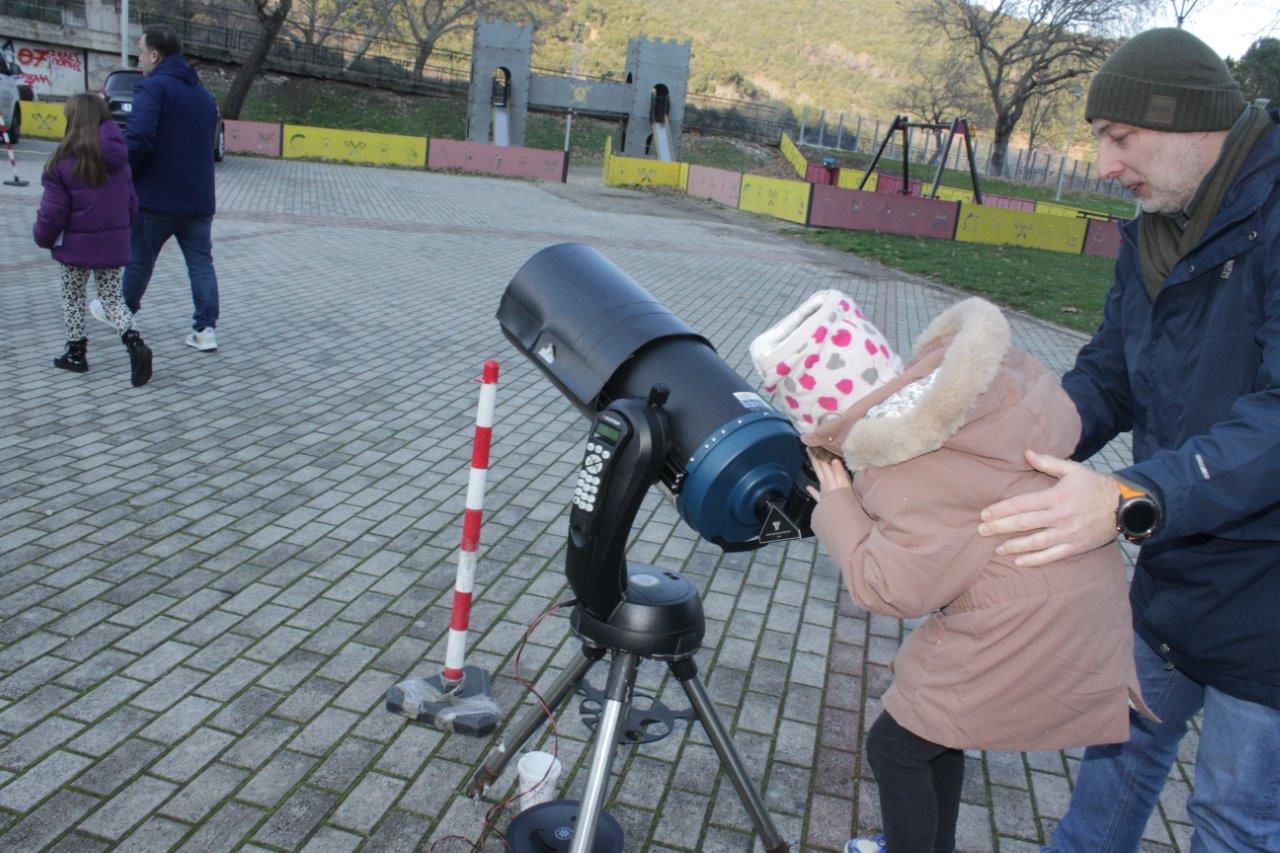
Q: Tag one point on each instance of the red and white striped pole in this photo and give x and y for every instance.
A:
(455, 651)
(13, 161)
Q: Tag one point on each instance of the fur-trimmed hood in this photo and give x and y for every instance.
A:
(969, 373)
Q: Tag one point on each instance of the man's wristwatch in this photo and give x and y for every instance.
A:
(1138, 513)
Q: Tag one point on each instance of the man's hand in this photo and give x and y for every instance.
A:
(1076, 515)
(831, 476)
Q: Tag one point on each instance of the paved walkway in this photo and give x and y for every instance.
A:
(207, 584)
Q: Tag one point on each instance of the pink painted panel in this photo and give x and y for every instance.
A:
(253, 137)
(1102, 240)
(834, 207)
(486, 159)
(1008, 203)
(719, 185)
(816, 173)
(887, 183)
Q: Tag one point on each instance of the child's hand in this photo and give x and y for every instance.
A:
(831, 476)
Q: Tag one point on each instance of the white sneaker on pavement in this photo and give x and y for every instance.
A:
(95, 308)
(203, 340)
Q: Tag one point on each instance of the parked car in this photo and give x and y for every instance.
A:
(12, 93)
(117, 91)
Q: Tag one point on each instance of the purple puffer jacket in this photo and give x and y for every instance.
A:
(94, 221)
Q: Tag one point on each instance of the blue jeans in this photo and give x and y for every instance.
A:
(150, 232)
(1236, 802)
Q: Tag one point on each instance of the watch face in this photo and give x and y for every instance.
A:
(1139, 517)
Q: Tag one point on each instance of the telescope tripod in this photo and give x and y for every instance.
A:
(648, 620)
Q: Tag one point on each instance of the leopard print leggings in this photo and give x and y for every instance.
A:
(75, 283)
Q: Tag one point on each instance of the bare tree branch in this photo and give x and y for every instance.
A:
(1029, 48)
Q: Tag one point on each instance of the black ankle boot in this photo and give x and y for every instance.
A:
(74, 358)
(139, 358)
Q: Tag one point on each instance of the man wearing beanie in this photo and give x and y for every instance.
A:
(1188, 359)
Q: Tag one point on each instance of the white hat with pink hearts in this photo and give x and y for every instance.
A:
(822, 358)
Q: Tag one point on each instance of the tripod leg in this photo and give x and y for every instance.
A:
(617, 695)
(686, 672)
(533, 717)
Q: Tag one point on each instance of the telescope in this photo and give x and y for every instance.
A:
(664, 411)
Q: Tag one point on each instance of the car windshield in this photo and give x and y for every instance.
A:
(122, 83)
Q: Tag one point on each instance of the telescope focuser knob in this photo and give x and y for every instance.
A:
(658, 395)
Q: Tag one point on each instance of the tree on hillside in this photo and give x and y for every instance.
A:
(373, 19)
(427, 21)
(1027, 47)
(940, 90)
(313, 22)
(1258, 71)
(271, 15)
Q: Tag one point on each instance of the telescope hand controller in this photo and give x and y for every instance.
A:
(622, 459)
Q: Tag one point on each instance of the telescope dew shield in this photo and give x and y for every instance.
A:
(599, 336)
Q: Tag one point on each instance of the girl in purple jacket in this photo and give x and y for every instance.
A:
(85, 217)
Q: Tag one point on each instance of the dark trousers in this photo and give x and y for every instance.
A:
(194, 233)
(919, 788)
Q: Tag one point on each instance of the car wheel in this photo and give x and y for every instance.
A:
(220, 146)
(15, 132)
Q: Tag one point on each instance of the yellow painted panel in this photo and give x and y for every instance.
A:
(1051, 209)
(787, 200)
(641, 171)
(354, 146)
(850, 178)
(793, 155)
(43, 120)
(982, 224)
(948, 193)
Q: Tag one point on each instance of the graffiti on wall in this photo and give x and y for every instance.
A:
(48, 70)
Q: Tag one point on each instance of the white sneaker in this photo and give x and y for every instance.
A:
(95, 308)
(866, 845)
(203, 340)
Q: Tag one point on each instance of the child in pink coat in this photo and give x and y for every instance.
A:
(1009, 658)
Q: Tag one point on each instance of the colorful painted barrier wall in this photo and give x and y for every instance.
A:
(508, 161)
(1007, 203)
(793, 155)
(947, 193)
(1052, 209)
(833, 207)
(42, 120)
(640, 171)
(775, 197)
(1102, 239)
(886, 183)
(850, 178)
(353, 146)
(252, 137)
(719, 185)
(816, 173)
(983, 224)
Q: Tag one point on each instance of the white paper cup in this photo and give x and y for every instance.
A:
(538, 774)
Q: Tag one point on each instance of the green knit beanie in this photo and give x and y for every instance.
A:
(1165, 79)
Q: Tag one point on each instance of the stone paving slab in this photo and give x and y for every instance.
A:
(206, 584)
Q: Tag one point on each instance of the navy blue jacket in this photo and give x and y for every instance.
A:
(1196, 377)
(170, 136)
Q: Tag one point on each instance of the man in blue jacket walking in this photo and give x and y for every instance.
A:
(171, 134)
(1188, 359)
